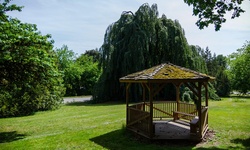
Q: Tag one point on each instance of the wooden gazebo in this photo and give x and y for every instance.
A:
(174, 119)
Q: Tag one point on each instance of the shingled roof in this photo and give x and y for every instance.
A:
(165, 71)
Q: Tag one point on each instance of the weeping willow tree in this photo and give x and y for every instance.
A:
(138, 41)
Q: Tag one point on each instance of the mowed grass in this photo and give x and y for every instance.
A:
(101, 126)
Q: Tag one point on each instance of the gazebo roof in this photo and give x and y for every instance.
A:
(165, 72)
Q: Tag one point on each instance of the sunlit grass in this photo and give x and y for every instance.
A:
(101, 126)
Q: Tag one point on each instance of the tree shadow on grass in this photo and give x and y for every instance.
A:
(244, 142)
(6, 137)
(123, 139)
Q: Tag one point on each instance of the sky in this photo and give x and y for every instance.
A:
(81, 24)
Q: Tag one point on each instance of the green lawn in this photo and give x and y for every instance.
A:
(101, 126)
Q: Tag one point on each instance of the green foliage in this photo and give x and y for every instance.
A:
(186, 96)
(90, 74)
(80, 73)
(5, 7)
(239, 70)
(196, 61)
(29, 77)
(65, 57)
(216, 66)
(138, 41)
(71, 71)
(213, 11)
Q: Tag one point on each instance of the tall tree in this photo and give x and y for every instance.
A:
(222, 83)
(137, 41)
(240, 69)
(199, 63)
(29, 77)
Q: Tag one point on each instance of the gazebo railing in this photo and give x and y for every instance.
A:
(164, 109)
(138, 120)
(138, 115)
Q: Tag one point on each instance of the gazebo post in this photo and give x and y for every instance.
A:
(151, 110)
(127, 101)
(177, 87)
(199, 108)
(143, 95)
(206, 93)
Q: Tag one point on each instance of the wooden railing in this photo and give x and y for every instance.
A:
(187, 109)
(162, 110)
(138, 120)
(138, 115)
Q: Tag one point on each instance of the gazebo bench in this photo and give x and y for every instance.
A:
(175, 114)
(194, 125)
(193, 122)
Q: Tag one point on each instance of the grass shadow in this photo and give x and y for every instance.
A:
(125, 140)
(6, 137)
(244, 142)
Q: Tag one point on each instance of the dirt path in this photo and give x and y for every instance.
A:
(76, 99)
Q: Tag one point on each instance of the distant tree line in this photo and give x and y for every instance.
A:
(79, 73)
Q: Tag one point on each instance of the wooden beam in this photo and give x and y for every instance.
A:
(199, 108)
(127, 101)
(194, 86)
(146, 85)
(206, 94)
(127, 93)
(177, 87)
(139, 119)
(151, 130)
(192, 89)
(159, 88)
(143, 95)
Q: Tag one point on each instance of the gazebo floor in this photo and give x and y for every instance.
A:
(172, 130)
